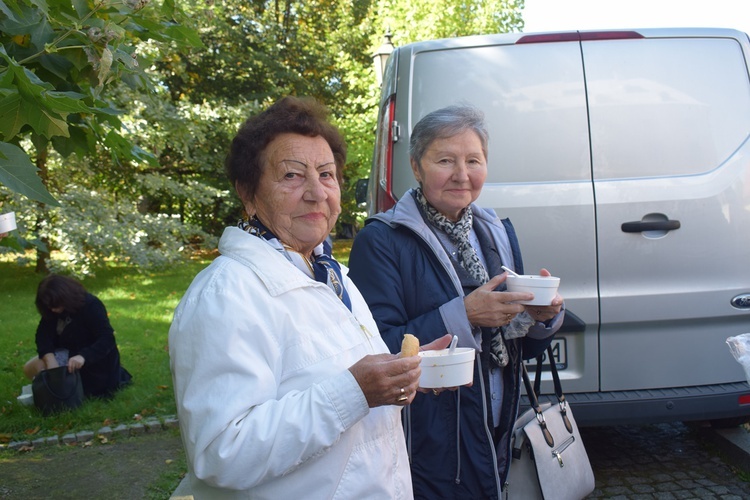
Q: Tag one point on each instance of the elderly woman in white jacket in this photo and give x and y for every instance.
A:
(284, 387)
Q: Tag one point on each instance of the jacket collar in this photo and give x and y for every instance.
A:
(272, 268)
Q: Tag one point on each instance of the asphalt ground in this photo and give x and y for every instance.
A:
(660, 461)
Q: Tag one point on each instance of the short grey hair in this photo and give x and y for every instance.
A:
(447, 122)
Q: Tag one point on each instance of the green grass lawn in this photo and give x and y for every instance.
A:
(140, 307)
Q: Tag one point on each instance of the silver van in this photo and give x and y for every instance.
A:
(623, 160)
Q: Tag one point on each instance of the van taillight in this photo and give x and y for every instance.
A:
(385, 199)
(744, 399)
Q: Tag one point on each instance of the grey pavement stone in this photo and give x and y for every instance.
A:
(152, 425)
(122, 430)
(84, 436)
(665, 496)
(171, 423)
(138, 428)
(53, 441)
(105, 431)
(16, 445)
(38, 443)
(643, 488)
(69, 439)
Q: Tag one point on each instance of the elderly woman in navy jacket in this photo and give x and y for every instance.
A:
(432, 265)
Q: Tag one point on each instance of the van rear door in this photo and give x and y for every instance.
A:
(670, 120)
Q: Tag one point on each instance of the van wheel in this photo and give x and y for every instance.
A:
(727, 423)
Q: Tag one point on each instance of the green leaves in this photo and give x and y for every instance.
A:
(57, 60)
(19, 174)
(30, 101)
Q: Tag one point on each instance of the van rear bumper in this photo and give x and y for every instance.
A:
(708, 402)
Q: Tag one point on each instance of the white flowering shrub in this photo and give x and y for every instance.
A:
(92, 226)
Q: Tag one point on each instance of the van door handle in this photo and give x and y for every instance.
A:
(656, 225)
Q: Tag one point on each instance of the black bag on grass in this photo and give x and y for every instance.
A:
(56, 389)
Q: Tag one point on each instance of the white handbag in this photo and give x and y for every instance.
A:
(549, 460)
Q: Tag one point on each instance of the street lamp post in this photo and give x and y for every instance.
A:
(381, 56)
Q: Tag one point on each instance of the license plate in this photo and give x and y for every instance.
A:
(559, 352)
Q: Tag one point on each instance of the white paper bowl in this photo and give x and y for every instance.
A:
(544, 288)
(7, 222)
(440, 370)
(26, 399)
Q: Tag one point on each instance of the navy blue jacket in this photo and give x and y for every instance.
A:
(405, 276)
(89, 333)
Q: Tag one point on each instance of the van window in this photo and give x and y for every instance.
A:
(520, 88)
(702, 116)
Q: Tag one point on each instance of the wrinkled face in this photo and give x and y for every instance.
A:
(298, 196)
(452, 172)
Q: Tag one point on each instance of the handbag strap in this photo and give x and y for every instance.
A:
(52, 391)
(534, 401)
(558, 386)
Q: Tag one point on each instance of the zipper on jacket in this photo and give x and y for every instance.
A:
(557, 452)
(488, 431)
(367, 334)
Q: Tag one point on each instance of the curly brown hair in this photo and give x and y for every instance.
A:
(59, 291)
(296, 115)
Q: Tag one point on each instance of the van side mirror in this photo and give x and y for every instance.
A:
(360, 191)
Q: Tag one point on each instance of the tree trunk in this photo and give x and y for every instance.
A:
(42, 251)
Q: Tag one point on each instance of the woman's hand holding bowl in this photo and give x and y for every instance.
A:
(387, 379)
(546, 313)
(486, 307)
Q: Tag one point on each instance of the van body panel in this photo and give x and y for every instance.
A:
(623, 160)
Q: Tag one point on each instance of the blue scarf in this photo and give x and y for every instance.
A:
(324, 267)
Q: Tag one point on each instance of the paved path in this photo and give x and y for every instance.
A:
(665, 461)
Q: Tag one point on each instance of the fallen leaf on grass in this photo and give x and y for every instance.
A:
(87, 444)
(162, 387)
(31, 431)
(26, 448)
(5, 438)
(102, 439)
(108, 422)
(168, 461)
(137, 417)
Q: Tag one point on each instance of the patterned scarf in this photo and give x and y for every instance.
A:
(458, 233)
(324, 268)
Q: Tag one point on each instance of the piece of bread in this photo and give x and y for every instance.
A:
(409, 346)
